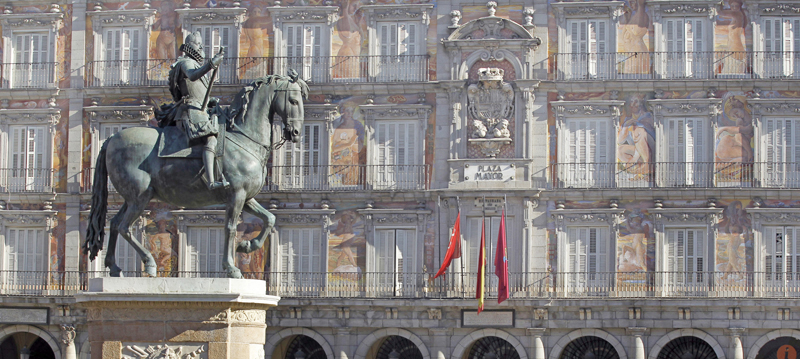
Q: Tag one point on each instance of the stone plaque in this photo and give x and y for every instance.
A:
(492, 318)
(16, 315)
(495, 171)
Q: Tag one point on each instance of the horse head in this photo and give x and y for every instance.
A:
(288, 103)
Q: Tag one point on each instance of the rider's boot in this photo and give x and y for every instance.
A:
(208, 161)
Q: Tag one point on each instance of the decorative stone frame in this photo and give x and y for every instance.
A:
(396, 12)
(758, 8)
(662, 9)
(188, 218)
(395, 219)
(376, 337)
(233, 16)
(663, 109)
(594, 109)
(44, 219)
(47, 117)
(375, 113)
(275, 340)
(26, 22)
(323, 15)
(767, 107)
(139, 18)
(706, 218)
(688, 332)
(562, 343)
(761, 217)
(301, 218)
(100, 115)
(47, 336)
(610, 218)
(585, 10)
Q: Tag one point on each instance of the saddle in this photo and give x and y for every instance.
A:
(173, 143)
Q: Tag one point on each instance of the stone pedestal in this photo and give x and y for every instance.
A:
(187, 317)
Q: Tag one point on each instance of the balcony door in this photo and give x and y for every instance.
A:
(688, 155)
(214, 38)
(33, 60)
(588, 43)
(585, 267)
(28, 171)
(396, 262)
(685, 46)
(586, 159)
(396, 163)
(304, 51)
(123, 55)
(781, 259)
(302, 162)
(684, 260)
(25, 261)
(780, 37)
(472, 238)
(300, 261)
(204, 252)
(397, 50)
(781, 153)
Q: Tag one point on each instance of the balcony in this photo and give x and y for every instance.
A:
(675, 175)
(677, 65)
(26, 180)
(40, 75)
(243, 70)
(347, 178)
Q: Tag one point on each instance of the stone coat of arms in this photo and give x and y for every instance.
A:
(490, 106)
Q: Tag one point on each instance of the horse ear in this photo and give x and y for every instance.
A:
(293, 75)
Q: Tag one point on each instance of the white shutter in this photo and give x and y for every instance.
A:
(293, 44)
(407, 40)
(27, 156)
(111, 42)
(205, 249)
(473, 239)
(384, 248)
(286, 250)
(389, 37)
(598, 47)
(788, 46)
(25, 249)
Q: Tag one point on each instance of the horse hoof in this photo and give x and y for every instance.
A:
(115, 271)
(244, 247)
(234, 273)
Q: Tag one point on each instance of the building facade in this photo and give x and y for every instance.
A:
(643, 152)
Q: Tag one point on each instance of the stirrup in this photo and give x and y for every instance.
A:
(217, 185)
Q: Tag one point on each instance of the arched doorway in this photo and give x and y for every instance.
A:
(304, 347)
(589, 347)
(17, 343)
(780, 348)
(492, 348)
(397, 347)
(687, 348)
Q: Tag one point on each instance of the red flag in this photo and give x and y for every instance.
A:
(481, 268)
(501, 262)
(453, 249)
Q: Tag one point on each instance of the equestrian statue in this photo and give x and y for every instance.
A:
(200, 155)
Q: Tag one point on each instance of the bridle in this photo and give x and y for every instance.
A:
(285, 105)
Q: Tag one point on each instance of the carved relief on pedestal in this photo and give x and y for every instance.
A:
(490, 105)
(163, 351)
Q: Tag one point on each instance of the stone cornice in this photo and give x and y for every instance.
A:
(233, 16)
(28, 218)
(774, 106)
(608, 216)
(199, 217)
(328, 14)
(33, 116)
(683, 107)
(99, 114)
(49, 20)
(394, 216)
(587, 9)
(137, 17)
(398, 12)
(608, 108)
(780, 215)
(303, 216)
(778, 9)
(372, 112)
(667, 8)
(686, 215)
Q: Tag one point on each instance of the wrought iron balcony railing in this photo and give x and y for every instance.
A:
(347, 178)
(29, 75)
(242, 70)
(675, 174)
(26, 180)
(677, 65)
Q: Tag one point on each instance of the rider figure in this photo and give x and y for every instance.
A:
(189, 82)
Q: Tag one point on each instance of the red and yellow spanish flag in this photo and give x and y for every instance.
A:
(481, 268)
(453, 249)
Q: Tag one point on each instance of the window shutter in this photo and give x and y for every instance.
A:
(788, 47)
(384, 251)
(770, 238)
(770, 34)
(408, 38)
(600, 138)
(671, 252)
(11, 245)
(291, 42)
(215, 245)
(473, 243)
(126, 255)
(572, 250)
(285, 250)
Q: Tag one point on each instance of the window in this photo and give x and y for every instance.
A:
(33, 64)
(396, 260)
(304, 50)
(396, 155)
(25, 259)
(300, 260)
(472, 249)
(780, 43)
(585, 267)
(398, 52)
(685, 47)
(781, 256)
(782, 151)
(214, 38)
(684, 258)
(204, 252)
(588, 43)
(123, 52)
(28, 170)
(586, 159)
(302, 162)
(688, 161)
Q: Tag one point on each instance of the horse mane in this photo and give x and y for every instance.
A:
(245, 95)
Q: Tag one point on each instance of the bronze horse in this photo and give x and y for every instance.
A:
(130, 158)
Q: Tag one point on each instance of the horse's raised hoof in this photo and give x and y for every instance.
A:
(234, 272)
(114, 271)
(150, 270)
(244, 247)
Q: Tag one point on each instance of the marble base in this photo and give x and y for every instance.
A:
(176, 317)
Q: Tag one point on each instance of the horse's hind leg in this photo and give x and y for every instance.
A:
(111, 250)
(134, 209)
(253, 207)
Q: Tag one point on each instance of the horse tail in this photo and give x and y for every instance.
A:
(97, 215)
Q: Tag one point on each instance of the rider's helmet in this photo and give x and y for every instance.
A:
(193, 47)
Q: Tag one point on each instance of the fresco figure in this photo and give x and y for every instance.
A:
(347, 146)
(350, 28)
(165, 42)
(633, 258)
(735, 18)
(636, 138)
(634, 25)
(734, 136)
(160, 246)
(735, 226)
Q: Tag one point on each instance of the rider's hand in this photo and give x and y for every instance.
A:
(217, 59)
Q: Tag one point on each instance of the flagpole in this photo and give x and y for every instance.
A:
(439, 230)
(458, 207)
(483, 232)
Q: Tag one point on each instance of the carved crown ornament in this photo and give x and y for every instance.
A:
(35, 116)
(100, 114)
(328, 14)
(610, 9)
(36, 20)
(398, 12)
(137, 17)
(229, 16)
(684, 107)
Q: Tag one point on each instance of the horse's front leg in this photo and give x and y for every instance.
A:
(253, 207)
(233, 210)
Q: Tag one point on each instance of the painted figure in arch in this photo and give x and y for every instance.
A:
(734, 136)
(347, 144)
(633, 257)
(736, 20)
(165, 42)
(634, 25)
(636, 138)
(350, 29)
